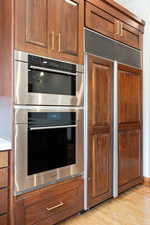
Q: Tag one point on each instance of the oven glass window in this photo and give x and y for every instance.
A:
(49, 146)
(51, 83)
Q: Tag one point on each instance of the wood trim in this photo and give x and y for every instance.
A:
(121, 9)
(147, 181)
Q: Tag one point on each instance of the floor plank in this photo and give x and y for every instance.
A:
(131, 208)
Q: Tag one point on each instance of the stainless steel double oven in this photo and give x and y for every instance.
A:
(48, 110)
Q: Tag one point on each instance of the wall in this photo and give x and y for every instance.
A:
(5, 118)
(142, 9)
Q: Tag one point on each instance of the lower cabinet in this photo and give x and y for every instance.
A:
(51, 204)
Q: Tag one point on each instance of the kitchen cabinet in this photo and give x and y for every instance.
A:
(4, 200)
(100, 130)
(52, 203)
(129, 126)
(109, 19)
(50, 28)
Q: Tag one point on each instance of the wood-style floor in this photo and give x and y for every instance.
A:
(131, 208)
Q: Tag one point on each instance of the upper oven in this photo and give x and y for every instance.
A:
(44, 81)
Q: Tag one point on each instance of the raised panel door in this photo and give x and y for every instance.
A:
(129, 156)
(70, 30)
(31, 26)
(129, 88)
(100, 130)
(101, 21)
(129, 126)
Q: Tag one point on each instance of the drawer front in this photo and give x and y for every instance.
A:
(3, 177)
(3, 220)
(51, 204)
(100, 21)
(53, 211)
(3, 159)
(129, 35)
(3, 201)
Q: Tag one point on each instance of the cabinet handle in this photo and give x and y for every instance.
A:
(117, 25)
(121, 29)
(56, 206)
(53, 41)
(59, 42)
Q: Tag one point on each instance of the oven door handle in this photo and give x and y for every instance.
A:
(52, 127)
(51, 70)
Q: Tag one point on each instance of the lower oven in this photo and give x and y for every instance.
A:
(48, 145)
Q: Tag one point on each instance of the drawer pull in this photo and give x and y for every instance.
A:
(55, 207)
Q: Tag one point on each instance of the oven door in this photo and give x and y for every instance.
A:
(41, 86)
(47, 154)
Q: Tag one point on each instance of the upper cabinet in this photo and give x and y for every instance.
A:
(50, 28)
(112, 20)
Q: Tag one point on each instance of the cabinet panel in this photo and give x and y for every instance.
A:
(100, 164)
(3, 177)
(3, 220)
(100, 130)
(3, 201)
(100, 21)
(3, 159)
(70, 29)
(129, 156)
(129, 94)
(36, 22)
(31, 26)
(100, 83)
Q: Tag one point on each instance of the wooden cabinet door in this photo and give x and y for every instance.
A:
(31, 26)
(70, 14)
(100, 130)
(101, 21)
(130, 126)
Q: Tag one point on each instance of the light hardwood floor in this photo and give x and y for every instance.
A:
(131, 208)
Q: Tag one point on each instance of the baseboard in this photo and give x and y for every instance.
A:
(147, 181)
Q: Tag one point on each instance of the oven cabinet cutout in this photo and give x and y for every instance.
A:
(100, 130)
(106, 19)
(51, 204)
(50, 28)
(130, 126)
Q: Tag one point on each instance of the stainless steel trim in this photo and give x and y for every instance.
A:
(25, 183)
(115, 133)
(86, 133)
(52, 127)
(85, 28)
(51, 70)
(23, 57)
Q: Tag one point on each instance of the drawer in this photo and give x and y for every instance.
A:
(3, 201)
(53, 204)
(3, 177)
(3, 159)
(3, 220)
